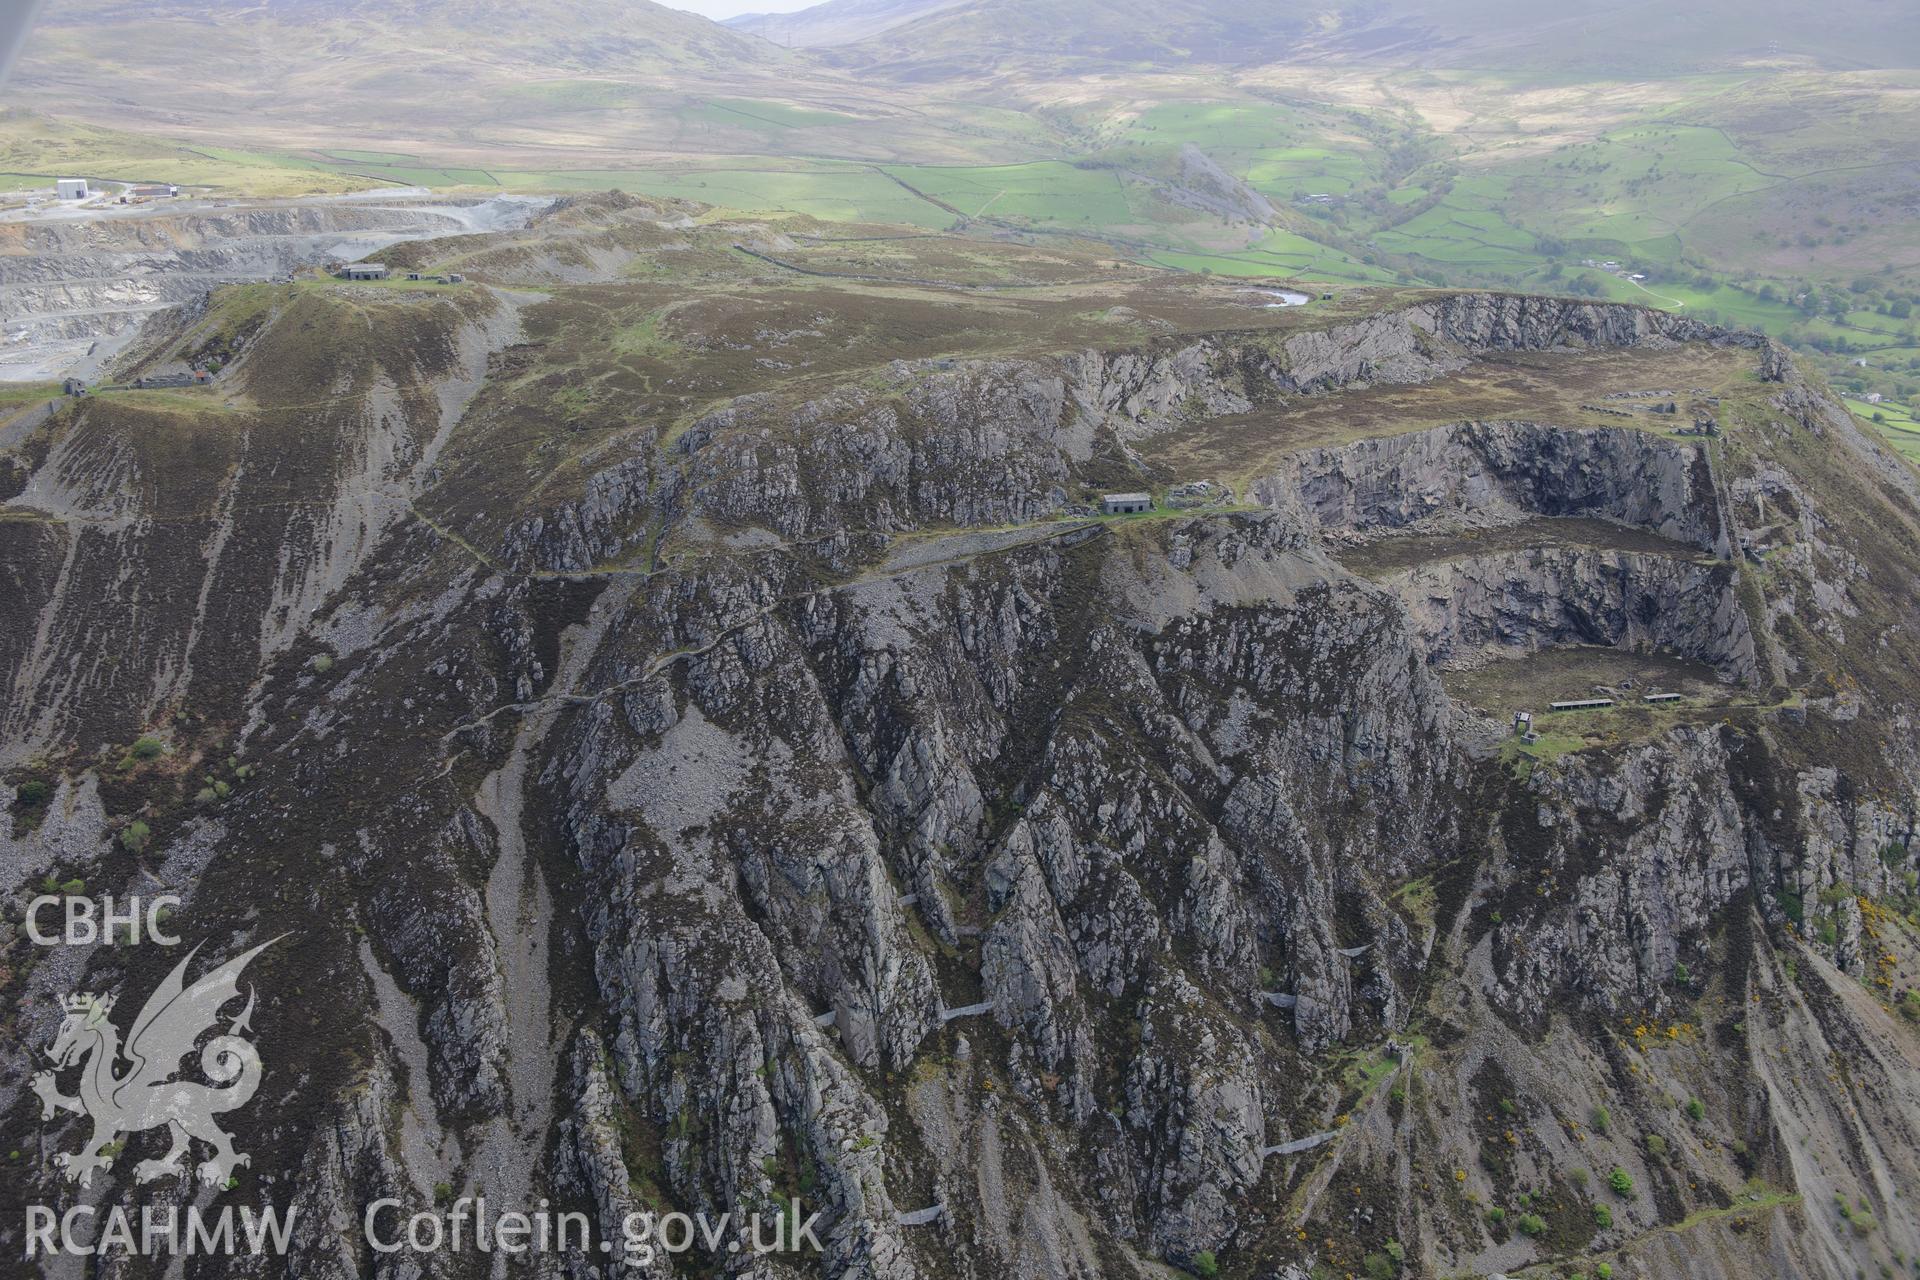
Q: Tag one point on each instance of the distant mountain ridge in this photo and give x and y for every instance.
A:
(976, 34)
(933, 39)
(928, 41)
(565, 34)
(840, 22)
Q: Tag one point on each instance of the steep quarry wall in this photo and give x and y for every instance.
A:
(1502, 472)
(1469, 610)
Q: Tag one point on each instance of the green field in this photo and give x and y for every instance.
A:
(35, 150)
(778, 115)
(1894, 421)
(1045, 194)
(839, 195)
(1281, 253)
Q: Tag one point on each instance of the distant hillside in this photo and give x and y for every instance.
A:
(978, 35)
(580, 34)
(839, 22)
(391, 70)
(230, 45)
(1597, 37)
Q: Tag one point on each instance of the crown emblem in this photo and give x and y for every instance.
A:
(87, 1002)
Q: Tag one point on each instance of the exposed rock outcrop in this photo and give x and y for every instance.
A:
(1468, 610)
(1495, 472)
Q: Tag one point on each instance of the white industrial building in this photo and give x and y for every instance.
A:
(71, 188)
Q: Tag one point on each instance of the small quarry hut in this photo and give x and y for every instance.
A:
(1125, 504)
(363, 271)
(70, 188)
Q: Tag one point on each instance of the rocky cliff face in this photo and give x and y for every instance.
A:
(252, 520)
(1503, 472)
(1466, 611)
(789, 805)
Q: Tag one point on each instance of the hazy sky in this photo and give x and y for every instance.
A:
(728, 8)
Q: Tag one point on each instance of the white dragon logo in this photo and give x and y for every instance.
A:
(146, 1095)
